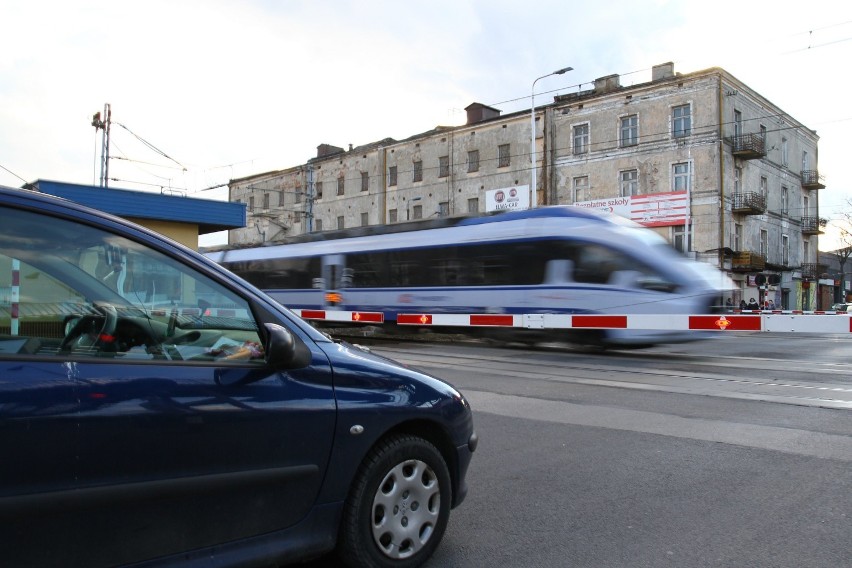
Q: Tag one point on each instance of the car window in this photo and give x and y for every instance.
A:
(68, 289)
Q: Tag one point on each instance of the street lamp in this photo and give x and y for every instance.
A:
(532, 131)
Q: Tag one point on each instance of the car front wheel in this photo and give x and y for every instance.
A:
(399, 505)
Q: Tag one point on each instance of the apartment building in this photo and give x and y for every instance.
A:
(719, 170)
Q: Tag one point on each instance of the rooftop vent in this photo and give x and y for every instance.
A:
(478, 112)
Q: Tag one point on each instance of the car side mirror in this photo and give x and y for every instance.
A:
(284, 350)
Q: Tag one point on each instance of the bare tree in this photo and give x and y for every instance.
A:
(845, 239)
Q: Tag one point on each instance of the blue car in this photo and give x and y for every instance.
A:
(155, 409)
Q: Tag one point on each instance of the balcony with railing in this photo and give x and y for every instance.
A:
(747, 261)
(812, 180)
(812, 270)
(748, 203)
(813, 225)
(748, 146)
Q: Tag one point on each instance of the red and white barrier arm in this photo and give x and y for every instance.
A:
(782, 322)
(341, 316)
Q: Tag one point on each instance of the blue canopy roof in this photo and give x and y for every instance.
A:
(210, 215)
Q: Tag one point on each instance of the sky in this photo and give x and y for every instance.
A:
(202, 92)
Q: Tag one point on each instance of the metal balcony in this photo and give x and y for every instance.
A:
(812, 180)
(812, 270)
(747, 261)
(748, 146)
(813, 225)
(748, 203)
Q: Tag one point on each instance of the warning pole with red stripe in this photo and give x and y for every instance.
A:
(15, 295)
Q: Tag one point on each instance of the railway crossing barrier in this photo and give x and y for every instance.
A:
(756, 321)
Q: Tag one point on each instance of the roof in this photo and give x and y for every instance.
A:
(211, 216)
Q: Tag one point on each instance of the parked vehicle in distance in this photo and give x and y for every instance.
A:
(157, 409)
(550, 260)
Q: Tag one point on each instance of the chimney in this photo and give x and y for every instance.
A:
(662, 71)
(478, 112)
(607, 84)
(324, 150)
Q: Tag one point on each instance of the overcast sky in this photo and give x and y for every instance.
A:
(227, 89)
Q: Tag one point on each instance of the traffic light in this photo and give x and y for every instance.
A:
(760, 279)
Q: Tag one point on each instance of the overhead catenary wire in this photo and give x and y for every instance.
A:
(810, 33)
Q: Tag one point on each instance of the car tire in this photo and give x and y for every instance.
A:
(398, 507)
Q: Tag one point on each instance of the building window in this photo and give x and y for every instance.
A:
(738, 123)
(503, 159)
(266, 201)
(806, 206)
(806, 250)
(737, 245)
(581, 139)
(318, 224)
(318, 186)
(393, 216)
(340, 224)
(251, 203)
(392, 176)
(473, 205)
(738, 179)
(417, 212)
(784, 152)
(418, 171)
(629, 133)
(581, 189)
(764, 188)
(365, 181)
(443, 166)
(681, 121)
(629, 183)
(680, 177)
(297, 196)
(785, 250)
(785, 197)
(473, 161)
(806, 162)
(764, 243)
(340, 185)
(365, 219)
(763, 134)
(444, 209)
(680, 238)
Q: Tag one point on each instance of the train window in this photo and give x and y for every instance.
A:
(278, 273)
(496, 264)
(368, 270)
(597, 264)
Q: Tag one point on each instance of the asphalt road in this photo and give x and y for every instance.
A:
(730, 453)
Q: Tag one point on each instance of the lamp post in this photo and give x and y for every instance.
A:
(532, 132)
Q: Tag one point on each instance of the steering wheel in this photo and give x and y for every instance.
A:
(95, 332)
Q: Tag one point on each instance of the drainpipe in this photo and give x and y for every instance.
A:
(451, 178)
(383, 207)
(721, 180)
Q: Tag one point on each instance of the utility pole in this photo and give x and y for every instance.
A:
(103, 123)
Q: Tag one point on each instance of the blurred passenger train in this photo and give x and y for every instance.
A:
(548, 260)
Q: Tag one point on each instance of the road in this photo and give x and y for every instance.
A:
(727, 453)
